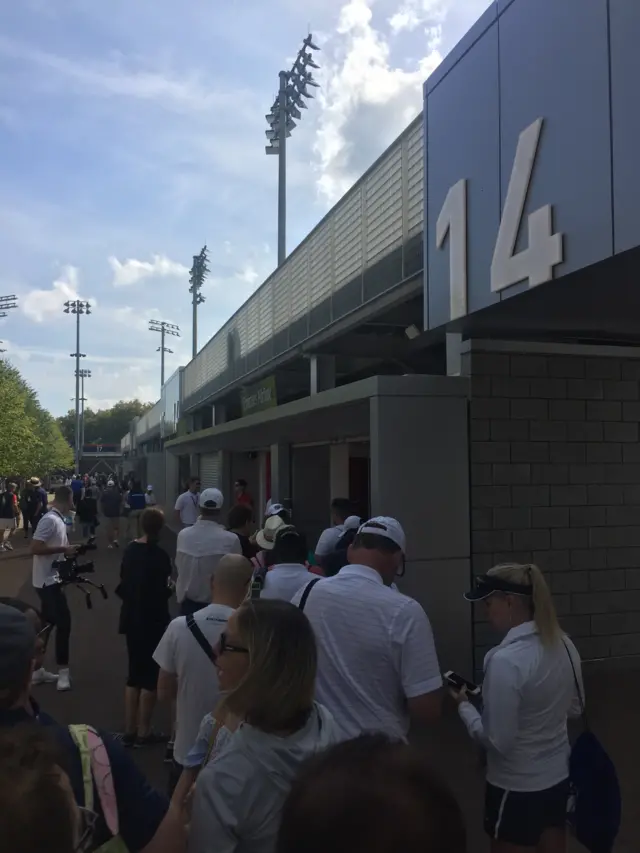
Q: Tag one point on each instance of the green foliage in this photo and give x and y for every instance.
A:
(106, 426)
(31, 443)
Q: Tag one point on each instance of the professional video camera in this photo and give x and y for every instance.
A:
(70, 571)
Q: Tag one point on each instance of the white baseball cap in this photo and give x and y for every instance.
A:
(274, 509)
(390, 528)
(266, 538)
(352, 523)
(211, 499)
(149, 488)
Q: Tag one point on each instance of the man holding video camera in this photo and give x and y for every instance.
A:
(50, 542)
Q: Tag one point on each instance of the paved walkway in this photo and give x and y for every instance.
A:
(98, 668)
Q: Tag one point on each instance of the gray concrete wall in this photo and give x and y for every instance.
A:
(419, 475)
(310, 475)
(156, 475)
(555, 479)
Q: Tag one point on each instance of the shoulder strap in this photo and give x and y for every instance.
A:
(103, 779)
(199, 637)
(577, 684)
(79, 733)
(307, 590)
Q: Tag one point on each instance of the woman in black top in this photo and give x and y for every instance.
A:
(240, 522)
(144, 589)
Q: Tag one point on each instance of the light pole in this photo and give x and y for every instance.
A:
(84, 374)
(77, 307)
(164, 329)
(293, 89)
(197, 274)
(7, 302)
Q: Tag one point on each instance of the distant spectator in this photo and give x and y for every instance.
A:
(77, 487)
(111, 504)
(136, 502)
(240, 522)
(242, 493)
(288, 571)
(9, 512)
(88, 512)
(339, 557)
(370, 795)
(265, 540)
(341, 509)
(187, 508)
(144, 616)
(150, 498)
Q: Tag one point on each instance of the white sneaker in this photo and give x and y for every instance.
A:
(8, 546)
(41, 676)
(64, 680)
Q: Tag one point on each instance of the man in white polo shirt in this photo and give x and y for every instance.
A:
(199, 549)
(377, 662)
(187, 508)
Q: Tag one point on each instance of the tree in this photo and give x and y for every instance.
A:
(31, 443)
(106, 426)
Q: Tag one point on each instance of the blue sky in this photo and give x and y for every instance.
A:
(132, 132)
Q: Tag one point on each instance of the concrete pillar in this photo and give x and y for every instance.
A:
(225, 481)
(322, 373)
(420, 475)
(261, 496)
(171, 480)
(218, 414)
(280, 472)
(339, 471)
(454, 353)
(194, 464)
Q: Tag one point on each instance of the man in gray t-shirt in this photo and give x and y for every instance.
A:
(187, 673)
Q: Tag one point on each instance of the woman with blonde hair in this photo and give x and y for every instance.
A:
(266, 661)
(532, 683)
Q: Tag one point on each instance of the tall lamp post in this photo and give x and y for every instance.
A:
(293, 89)
(164, 329)
(77, 307)
(6, 303)
(84, 374)
(197, 275)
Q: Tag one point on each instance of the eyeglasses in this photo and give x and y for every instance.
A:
(224, 646)
(88, 820)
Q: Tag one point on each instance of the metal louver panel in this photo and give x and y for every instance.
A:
(347, 240)
(281, 302)
(320, 266)
(415, 180)
(298, 285)
(210, 470)
(253, 324)
(383, 206)
(266, 312)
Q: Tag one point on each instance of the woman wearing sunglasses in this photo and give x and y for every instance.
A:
(266, 662)
(532, 683)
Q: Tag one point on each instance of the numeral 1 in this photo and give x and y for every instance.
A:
(452, 222)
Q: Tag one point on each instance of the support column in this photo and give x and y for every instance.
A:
(339, 471)
(218, 414)
(171, 480)
(322, 373)
(420, 475)
(280, 472)
(194, 464)
(225, 481)
(454, 353)
(261, 497)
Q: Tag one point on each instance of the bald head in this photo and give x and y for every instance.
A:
(231, 580)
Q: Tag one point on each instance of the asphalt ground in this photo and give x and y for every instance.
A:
(98, 669)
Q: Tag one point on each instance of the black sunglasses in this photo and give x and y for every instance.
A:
(224, 646)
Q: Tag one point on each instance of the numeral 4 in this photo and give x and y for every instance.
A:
(544, 251)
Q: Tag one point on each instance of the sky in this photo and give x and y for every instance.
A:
(132, 133)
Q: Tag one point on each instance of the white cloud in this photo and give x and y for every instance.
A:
(131, 271)
(248, 274)
(40, 305)
(364, 96)
(414, 13)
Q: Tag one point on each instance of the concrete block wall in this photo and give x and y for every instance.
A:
(555, 479)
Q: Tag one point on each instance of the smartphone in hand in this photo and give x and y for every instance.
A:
(458, 682)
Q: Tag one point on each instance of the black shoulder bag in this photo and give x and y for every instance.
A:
(305, 594)
(200, 638)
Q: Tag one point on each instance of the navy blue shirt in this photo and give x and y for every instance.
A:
(141, 809)
(137, 500)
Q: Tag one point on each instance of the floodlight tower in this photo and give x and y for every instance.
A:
(293, 89)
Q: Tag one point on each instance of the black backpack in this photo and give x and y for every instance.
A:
(333, 562)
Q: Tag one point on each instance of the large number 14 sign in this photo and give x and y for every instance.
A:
(508, 267)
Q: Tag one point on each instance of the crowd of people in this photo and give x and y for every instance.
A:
(293, 675)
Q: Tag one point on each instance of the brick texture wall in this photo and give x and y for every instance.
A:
(555, 479)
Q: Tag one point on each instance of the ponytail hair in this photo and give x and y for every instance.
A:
(542, 606)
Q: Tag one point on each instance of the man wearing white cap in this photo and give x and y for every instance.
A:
(199, 550)
(377, 662)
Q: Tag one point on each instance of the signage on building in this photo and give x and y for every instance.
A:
(258, 397)
(101, 448)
